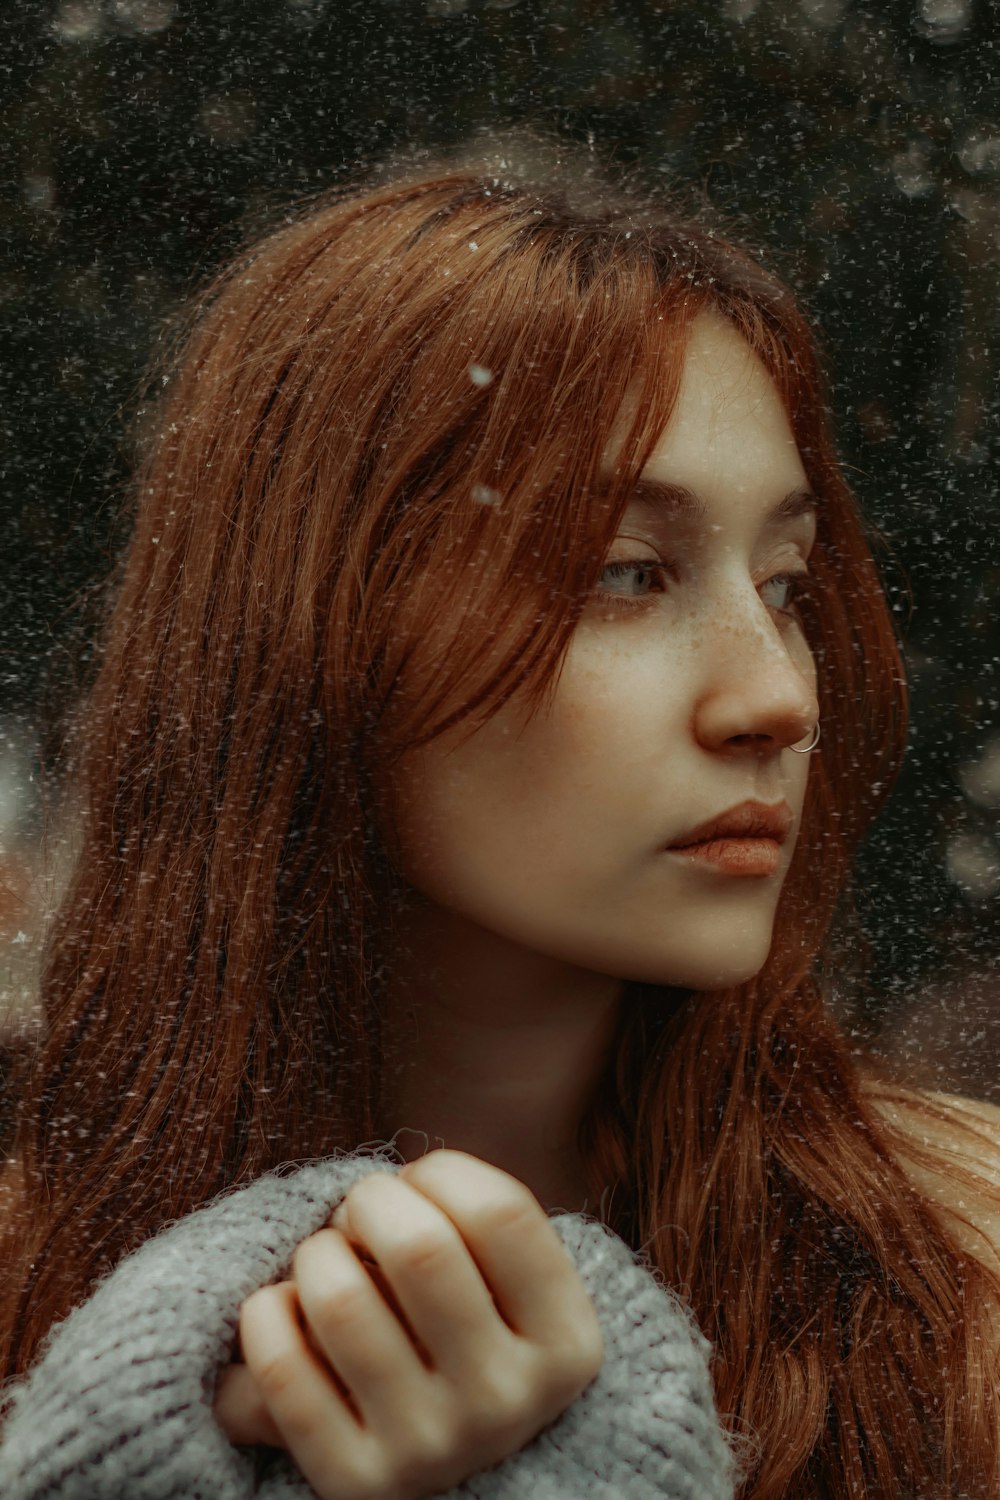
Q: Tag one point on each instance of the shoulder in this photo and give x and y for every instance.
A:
(949, 1146)
(948, 1120)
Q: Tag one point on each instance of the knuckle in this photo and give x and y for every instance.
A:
(437, 1160)
(306, 1250)
(583, 1352)
(425, 1250)
(489, 1196)
(571, 1367)
(257, 1309)
(508, 1209)
(258, 1299)
(355, 1188)
(434, 1458)
(300, 1421)
(436, 1445)
(513, 1212)
(275, 1373)
(370, 1476)
(503, 1398)
(354, 1193)
(444, 1162)
(338, 1303)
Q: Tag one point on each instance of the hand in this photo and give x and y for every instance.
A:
(467, 1333)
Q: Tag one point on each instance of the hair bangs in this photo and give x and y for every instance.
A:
(566, 377)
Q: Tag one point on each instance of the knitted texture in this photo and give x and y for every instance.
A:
(119, 1406)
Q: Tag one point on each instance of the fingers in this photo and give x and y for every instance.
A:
(313, 1420)
(432, 1277)
(537, 1287)
(385, 1366)
(352, 1324)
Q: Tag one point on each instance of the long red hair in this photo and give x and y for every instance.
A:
(378, 453)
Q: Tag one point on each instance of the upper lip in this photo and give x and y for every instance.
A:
(748, 820)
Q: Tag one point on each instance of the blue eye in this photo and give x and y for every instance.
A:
(788, 588)
(633, 583)
(638, 575)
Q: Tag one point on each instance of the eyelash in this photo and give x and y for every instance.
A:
(798, 582)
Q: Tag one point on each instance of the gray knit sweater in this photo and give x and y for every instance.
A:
(119, 1406)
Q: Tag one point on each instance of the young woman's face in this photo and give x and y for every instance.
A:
(685, 685)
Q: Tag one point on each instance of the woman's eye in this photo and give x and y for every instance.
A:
(630, 582)
(782, 591)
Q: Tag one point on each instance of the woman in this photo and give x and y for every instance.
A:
(448, 771)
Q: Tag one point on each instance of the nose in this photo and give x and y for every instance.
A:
(759, 692)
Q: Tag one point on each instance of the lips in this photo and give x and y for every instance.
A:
(748, 820)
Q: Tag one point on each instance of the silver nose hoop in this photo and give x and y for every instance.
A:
(805, 749)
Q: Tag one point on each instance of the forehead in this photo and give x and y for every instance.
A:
(729, 426)
(729, 437)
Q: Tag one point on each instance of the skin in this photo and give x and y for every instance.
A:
(534, 849)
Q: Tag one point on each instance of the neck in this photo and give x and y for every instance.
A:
(493, 1050)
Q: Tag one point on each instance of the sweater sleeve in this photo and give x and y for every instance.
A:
(119, 1406)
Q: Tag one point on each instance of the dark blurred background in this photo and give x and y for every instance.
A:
(859, 141)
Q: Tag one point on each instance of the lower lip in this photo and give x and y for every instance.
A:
(735, 856)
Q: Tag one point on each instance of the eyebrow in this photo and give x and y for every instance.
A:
(678, 500)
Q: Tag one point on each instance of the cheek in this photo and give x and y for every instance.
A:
(495, 810)
(557, 803)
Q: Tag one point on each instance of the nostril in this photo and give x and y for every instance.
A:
(762, 741)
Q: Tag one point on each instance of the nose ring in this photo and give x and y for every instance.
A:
(805, 749)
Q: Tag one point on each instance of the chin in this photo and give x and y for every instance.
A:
(724, 978)
(719, 953)
(718, 970)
